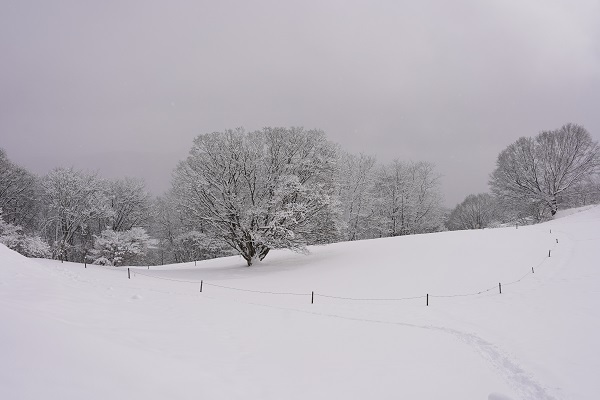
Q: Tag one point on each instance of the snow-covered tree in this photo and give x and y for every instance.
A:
(194, 245)
(33, 246)
(74, 203)
(166, 225)
(477, 211)
(130, 203)
(356, 178)
(261, 190)
(18, 194)
(408, 199)
(119, 247)
(12, 236)
(535, 172)
(9, 234)
(180, 239)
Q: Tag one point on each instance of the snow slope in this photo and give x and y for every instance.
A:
(69, 332)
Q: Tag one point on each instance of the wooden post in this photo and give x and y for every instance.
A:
(532, 271)
(548, 253)
(312, 297)
(85, 265)
(201, 286)
(194, 263)
(500, 287)
(556, 240)
(427, 300)
(550, 230)
(128, 274)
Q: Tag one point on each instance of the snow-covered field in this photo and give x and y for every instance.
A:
(69, 332)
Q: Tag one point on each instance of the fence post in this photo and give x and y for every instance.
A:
(194, 263)
(427, 303)
(550, 230)
(85, 265)
(500, 287)
(201, 286)
(556, 240)
(312, 297)
(548, 253)
(532, 271)
(128, 274)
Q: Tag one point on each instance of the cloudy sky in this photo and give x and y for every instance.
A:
(123, 87)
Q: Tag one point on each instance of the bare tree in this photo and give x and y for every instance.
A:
(584, 193)
(477, 211)
(537, 171)
(261, 190)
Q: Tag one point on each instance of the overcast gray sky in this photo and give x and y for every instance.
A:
(124, 86)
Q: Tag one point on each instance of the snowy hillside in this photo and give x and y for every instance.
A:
(70, 332)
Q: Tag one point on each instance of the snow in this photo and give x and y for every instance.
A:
(70, 332)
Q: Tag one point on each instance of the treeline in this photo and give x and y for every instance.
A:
(246, 193)
(73, 215)
(238, 192)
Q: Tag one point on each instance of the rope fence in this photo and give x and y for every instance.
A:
(255, 291)
(313, 294)
(368, 299)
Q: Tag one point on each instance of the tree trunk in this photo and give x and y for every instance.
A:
(254, 252)
(553, 206)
